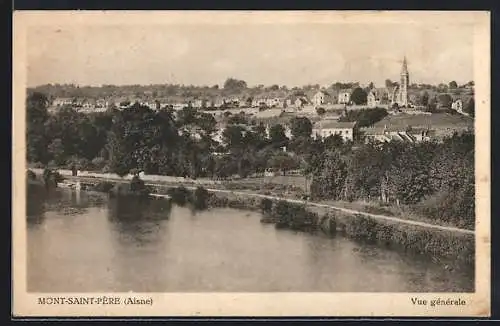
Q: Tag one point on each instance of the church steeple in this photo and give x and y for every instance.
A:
(404, 69)
(405, 82)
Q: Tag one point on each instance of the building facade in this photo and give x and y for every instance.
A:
(321, 98)
(327, 128)
(344, 96)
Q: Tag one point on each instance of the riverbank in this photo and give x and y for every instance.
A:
(257, 187)
(301, 215)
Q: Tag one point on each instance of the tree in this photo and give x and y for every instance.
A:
(388, 83)
(206, 122)
(359, 96)
(453, 84)
(432, 106)
(283, 162)
(36, 116)
(424, 100)
(364, 117)
(329, 177)
(300, 127)
(233, 84)
(56, 151)
(320, 111)
(470, 108)
(277, 136)
(233, 137)
(371, 86)
(445, 100)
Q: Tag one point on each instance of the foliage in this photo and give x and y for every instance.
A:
(277, 136)
(470, 108)
(364, 117)
(266, 205)
(359, 96)
(180, 195)
(320, 111)
(445, 100)
(433, 179)
(200, 198)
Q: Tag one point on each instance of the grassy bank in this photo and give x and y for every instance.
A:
(263, 186)
(436, 243)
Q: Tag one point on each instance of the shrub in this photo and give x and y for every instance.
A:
(200, 198)
(106, 169)
(98, 163)
(266, 205)
(104, 186)
(180, 195)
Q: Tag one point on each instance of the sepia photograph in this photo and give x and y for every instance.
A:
(251, 163)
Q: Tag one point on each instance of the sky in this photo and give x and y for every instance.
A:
(272, 53)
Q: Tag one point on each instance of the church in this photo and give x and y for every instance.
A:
(399, 95)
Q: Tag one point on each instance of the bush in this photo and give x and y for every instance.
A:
(80, 163)
(104, 186)
(180, 195)
(106, 169)
(200, 198)
(51, 178)
(99, 163)
(136, 184)
(266, 205)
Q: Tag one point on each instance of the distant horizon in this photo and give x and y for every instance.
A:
(221, 86)
(205, 54)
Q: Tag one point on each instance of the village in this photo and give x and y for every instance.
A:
(415, 112)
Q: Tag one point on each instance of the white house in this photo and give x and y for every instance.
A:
(344, 96)
(300, 102)
(60, 101)
(326, 128)
(321, 98)
(457, 105)
(374, 98)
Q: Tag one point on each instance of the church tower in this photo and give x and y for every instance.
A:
(405, 81)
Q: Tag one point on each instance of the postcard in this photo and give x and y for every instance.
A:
(251, 163)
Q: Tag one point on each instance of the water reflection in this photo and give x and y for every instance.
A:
(138, 240)
(138, 220)
(154, 246)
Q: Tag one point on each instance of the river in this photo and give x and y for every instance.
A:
(85, 242)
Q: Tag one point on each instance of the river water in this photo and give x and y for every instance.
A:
(85, 242)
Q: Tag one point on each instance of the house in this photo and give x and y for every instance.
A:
(378, 97)
(61, 101)
(344, 96)
(301, 102)
(405, 135)
(458, 106)
(326, 128)
(102, 103)
(321, 97)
